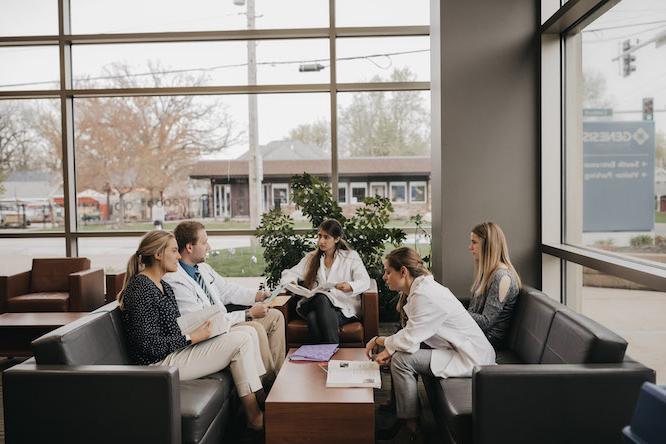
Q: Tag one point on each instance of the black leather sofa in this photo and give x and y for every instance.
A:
(81, 388)
(562, 378)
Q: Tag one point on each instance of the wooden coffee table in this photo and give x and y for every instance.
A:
(18, 330)
(300, 409)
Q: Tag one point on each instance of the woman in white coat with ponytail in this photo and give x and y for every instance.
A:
(439, 337)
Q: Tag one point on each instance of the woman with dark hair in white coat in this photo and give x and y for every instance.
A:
(439, 337)
(334, 263)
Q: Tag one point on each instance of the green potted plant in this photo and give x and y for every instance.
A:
(366, 232)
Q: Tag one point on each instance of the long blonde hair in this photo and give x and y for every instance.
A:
(410, 259)
(153, 243)
(493, 251)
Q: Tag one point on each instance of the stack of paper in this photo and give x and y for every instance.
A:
(316, 353)
(353, 374)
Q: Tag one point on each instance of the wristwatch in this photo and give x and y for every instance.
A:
(248, 316)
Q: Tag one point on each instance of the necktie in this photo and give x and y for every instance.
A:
(202, 284)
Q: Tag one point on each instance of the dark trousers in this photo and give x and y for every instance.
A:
(324, 320)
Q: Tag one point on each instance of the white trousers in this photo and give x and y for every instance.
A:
(237, 350)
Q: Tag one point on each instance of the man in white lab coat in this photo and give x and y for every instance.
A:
(196, 285)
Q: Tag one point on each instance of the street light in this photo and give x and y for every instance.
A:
(310, 67)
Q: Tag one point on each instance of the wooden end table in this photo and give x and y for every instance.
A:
(300, 409)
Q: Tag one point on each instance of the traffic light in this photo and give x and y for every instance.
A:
(648, 108)
(628, 59)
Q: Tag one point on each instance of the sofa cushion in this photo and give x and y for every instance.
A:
(576, 339)
(529, 327)
(92, 340)
(39, 302)
(200, 402)
(456, 405)
(53, 274)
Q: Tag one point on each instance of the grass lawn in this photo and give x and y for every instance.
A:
(660, 218)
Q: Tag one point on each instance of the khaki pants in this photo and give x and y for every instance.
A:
(270, 332)
(235, 349)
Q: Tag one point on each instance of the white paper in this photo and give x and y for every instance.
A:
(302, 291)
(353, 374)
(191, 321)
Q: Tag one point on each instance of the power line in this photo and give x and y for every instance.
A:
(368, 57)
(631, 25)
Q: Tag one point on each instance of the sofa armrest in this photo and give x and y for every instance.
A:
(555, 403)
(86, 290)
(14, 285)
(114, 283)
(101, 404)
(370, 309)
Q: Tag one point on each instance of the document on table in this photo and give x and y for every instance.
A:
(191, 321)
(353, 374)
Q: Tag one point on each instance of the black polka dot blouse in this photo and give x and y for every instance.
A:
(150, 323)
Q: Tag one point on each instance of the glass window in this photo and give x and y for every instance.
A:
(358, 192)
(28, 17)
(32, 68)
(202, 165)
(280, 194)
(382, 13)
(342, 193)
(198, 63)
(16, 254)
(383, 59)
(378, 189)
(127, 16)
(231, 256)
(616, 133)
(31, 197)
(631, 310)
(417, 192)
(398, 192)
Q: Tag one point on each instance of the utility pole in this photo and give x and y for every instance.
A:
(255, 175)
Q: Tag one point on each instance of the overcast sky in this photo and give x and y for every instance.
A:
(630, 19)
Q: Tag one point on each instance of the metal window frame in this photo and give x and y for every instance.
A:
(569, 20)
(66, 94)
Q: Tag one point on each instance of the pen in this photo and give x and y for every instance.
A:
(322, 367)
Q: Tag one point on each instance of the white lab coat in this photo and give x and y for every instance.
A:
(191, 297)
(437, 318)
(347, 267)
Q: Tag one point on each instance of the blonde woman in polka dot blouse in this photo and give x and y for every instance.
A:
(149, 313)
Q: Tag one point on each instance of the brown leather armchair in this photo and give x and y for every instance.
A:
(53, 284)
(355, 334)
(114, 283)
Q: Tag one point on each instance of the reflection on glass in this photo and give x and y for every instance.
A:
(32, 68)
(31, 196)
(382, 13)
(383, 59)
(28, 17)
(197, 63)
(616, 176)
(127, 16)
